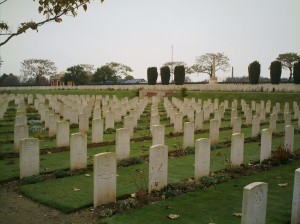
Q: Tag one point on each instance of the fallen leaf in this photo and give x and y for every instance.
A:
(173, 216)
(278, 177)
(283, 185)
(133, 195)
(87, 175)
(237, 214)
(76, 189)
(49, 152)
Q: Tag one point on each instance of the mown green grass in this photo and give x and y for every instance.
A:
(179, 168)
(217, 204)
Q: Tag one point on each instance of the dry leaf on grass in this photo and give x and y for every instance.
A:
(173, 216)
(237, 214)
(76, 189)
(283, 185)
(87, 175)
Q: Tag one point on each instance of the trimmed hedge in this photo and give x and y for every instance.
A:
(296, 72)
(165, 75)
(179, 75)
(275, 72)
(152, 75)
(254, 72)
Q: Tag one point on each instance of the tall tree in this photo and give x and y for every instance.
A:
(9, 80)
(53, 10)
(204, 63)
(104, 74)
(36, 68)
(288, 60)
(77, 75)
(88, 68)
(119, 69)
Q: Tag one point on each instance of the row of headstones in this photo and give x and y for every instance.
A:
(158, 157)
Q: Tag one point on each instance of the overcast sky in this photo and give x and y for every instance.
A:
(140, 33)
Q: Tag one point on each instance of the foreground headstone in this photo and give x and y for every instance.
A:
(122, 143)
(63, 133)
(254, 203)
(29, 157)
(202, 158)
(266, 144)
(105, 170)
(237, 149)
(295, 218)
(289, 137)
(158, 167)
(20, 131)
(78, 151)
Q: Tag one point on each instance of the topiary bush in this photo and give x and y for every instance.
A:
(275, 72)
(296, 72)
(179, 75)
(254, 72)
(152, 75)
(165, 75)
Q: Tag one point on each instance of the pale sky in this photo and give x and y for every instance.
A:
(140, 33)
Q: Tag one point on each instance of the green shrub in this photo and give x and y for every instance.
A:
(152, 75)
(275, 72)
(183, 92)
(179, 75)
(61, 174)
(32, 179)
(296, 72)
(165, 75)
(254, 72)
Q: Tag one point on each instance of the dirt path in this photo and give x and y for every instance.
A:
(16, 209)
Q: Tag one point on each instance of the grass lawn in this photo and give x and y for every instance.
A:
(217, 204)
(213, 205)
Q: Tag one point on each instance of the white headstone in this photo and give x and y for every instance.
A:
(97, 130)
(63, 133)
(266, 144)
(202, 158)
(254, 203)
(105, 181)
(158, 167)
(295, 218)
(214, 131)
(20, 131)
(237, 149)
(29, 157)
(188, 135)
(158, 135)
(289, 137)
(78, 151)
(122, 143)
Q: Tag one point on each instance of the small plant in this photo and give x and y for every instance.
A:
(281, 155)
(140, 180)
(32, 179)
(183, 92)
(189, 150)
(38, 135)
(130, 161)
(109, 131)
(61, 173)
